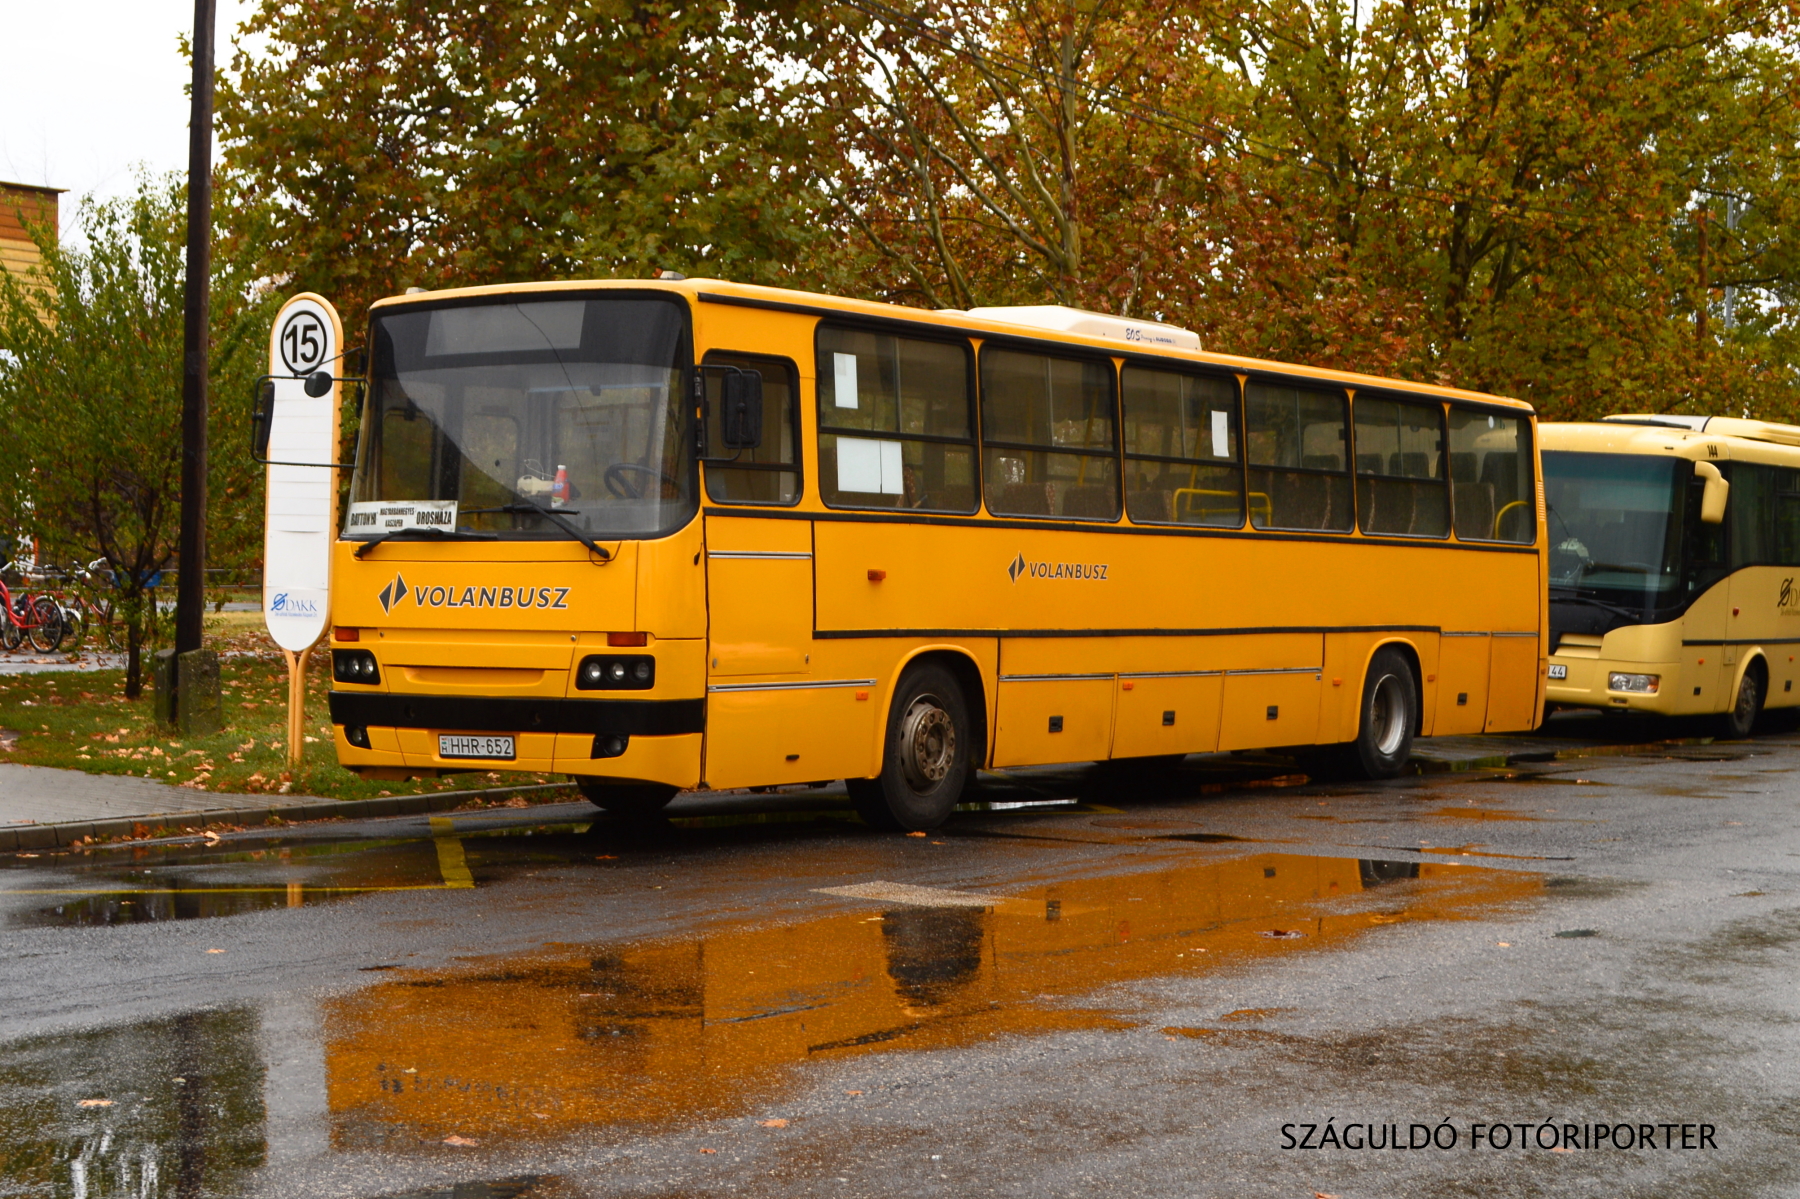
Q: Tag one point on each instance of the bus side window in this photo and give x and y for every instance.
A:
(1400, 468)
(1492, 493)
(1298, 443)
(1047, 436)
(1181, 449)
(1751, 511)
(770, 473)
(895, 424)
(1787, 517)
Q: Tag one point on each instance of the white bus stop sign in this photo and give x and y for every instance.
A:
(301, 518)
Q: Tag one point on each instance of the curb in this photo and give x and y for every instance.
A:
(1566, 753)
(50, 836)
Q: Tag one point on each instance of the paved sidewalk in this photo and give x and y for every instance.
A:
(41, 806)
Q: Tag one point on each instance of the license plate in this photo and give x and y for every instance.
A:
(1558, 670)
(475, 747)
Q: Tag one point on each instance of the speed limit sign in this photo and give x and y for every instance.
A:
(302, 340)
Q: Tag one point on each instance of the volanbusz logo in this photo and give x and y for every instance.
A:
(392, 594)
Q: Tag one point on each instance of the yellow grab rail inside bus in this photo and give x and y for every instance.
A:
(1501, 515)
(1184, 508)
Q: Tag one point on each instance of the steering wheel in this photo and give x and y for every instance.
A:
(622, 487)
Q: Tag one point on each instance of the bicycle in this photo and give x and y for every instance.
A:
(38, 618)
(84, 613)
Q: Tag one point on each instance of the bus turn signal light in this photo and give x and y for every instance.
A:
(342, 634)
(875, 576)
(627, 640)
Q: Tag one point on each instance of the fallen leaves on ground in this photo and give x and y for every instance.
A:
(453, 1139)
(778, 1122)
(95, 1103)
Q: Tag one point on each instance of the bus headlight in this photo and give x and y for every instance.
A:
(1640, 684)
(354, 666)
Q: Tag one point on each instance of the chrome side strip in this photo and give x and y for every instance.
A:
(1468, 634)
(776, 555)
(1530, 634)
(1171, 674)
(807, 686)
(1052, 678)
(1283, 670)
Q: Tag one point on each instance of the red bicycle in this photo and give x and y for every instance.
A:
(37, 618)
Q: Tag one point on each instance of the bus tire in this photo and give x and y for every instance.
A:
(1390, 713)
(630, 801)
(1746, 708)
(925, 755)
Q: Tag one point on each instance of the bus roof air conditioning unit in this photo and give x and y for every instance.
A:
(1062, 319)
(1718, 426)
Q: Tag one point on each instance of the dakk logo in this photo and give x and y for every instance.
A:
(1017, 568)
(392, 594)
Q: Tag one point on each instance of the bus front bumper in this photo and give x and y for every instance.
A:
(1585, 685)
(386, 735)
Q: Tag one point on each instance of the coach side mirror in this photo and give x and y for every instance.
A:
(317, 383)
(262, 417)
(741, 410)
(1712, 499)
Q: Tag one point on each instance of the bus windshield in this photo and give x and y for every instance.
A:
(487, 415)
(1615, 526)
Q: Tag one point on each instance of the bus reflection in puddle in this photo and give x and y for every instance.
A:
(711, 1026)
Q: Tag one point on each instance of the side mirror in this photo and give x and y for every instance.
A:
(1718, 490)
(262, 418)
(741, 410)
(317, 383)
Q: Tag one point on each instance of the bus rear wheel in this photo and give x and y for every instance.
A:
(1390, 713)
(925, 755)
(632, 801)
(1737, 723)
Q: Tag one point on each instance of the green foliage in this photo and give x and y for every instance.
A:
(396, 143)
(1510, 197)
(90, 396)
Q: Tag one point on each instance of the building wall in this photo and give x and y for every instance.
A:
(22, 205)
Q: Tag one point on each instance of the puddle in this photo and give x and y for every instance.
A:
(1462, 813)
(175, 1107)
(555, 1044)
(149, 884)
(523, 1186)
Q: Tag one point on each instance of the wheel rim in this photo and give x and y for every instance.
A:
(1746, 704)
(928, 743)
(1387, 716)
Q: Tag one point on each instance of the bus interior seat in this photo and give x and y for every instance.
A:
(1368, 464)
(1025, 499)
(1298, 501)
(1464, 468)
(1091, 501)
(1410, 465)
(1475, 510)
(1390, 508)
(1150, 505)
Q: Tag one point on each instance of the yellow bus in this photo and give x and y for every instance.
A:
(1674, 566)
(676, 534)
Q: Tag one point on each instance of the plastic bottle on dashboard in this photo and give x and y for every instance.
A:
(559, 491)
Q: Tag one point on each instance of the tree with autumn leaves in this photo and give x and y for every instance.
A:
(1544, 199)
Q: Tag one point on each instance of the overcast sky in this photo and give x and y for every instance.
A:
(92, 88)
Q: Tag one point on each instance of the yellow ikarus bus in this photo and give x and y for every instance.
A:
(1674, 565)
(689, 534)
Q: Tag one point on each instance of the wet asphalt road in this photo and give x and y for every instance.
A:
(1094, 986)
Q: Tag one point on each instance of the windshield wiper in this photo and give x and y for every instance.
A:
(557, 518)
(1574, 597)
(429, 534)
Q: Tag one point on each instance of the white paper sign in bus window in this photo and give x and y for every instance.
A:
(870, 467)
(384, 516)
(1221, 431)
(843, 369)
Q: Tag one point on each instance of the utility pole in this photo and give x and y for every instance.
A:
(190, 602)
(188, 682)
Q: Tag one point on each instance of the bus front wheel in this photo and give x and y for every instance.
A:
(925, 755)
(1736, 724)
(632, 801)
(1390, 713)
